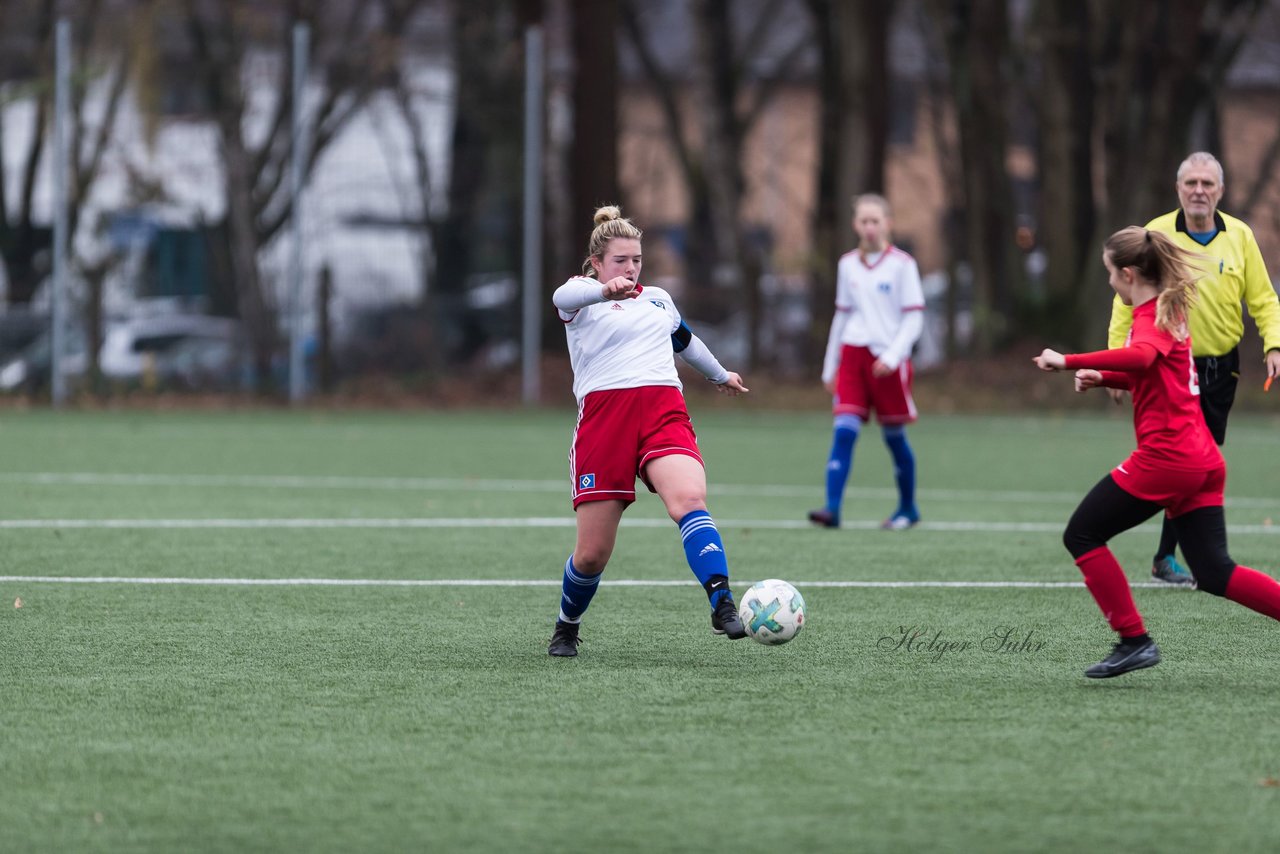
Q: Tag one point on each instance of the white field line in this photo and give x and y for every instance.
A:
(515, 582)
(533, 522)
(446, 484)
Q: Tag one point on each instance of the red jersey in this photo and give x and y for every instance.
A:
(1167, 417)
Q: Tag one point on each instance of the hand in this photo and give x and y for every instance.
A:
(1273, 364)
(1116, 395)
(619, 288)
(1087, 379)
(1050, 360)
(830, 386)
(880, 369)
(732, 386)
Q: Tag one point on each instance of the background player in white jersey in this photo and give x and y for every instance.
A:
(632, 422)
(879, 316)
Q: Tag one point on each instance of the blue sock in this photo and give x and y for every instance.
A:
(904, 470)
(705, 552)
(840, 462)
(576, 593)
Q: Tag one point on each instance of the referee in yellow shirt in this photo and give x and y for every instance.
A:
(1236, 275)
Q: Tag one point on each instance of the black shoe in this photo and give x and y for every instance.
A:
(824, 518)
(1168, 570)
(725, 620)
(564, 640)
(1125, 657)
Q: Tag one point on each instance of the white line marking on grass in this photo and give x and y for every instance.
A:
(539, 522)
(459, 484)
(513, 582)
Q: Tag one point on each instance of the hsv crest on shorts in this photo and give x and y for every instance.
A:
(586, 481)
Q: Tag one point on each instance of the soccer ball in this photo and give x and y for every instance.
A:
(773, 611)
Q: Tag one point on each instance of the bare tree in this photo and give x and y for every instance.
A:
(731, 90)
(1136, 80)
(480, 232)
(853, 131)
(103, 58)
(1160, 65)
(1060, 36)
(976, 36)
(350, 58)
(595, 107)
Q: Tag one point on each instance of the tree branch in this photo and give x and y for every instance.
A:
(664, 87)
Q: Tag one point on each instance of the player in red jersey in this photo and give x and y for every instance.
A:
(1177, 466)
(632, 422)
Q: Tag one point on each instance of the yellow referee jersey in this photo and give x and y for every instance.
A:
(1235, 275)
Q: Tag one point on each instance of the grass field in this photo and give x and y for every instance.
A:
(323, 632)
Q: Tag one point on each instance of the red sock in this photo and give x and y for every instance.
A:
(1105, 580)
(1255, 590)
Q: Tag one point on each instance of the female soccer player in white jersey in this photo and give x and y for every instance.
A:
(632, 422)
(879, 317)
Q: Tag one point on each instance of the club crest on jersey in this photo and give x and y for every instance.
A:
(586, 481)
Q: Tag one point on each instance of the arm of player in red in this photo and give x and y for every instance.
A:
(1139, 357)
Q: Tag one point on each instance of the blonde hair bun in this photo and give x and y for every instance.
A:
(607, 214)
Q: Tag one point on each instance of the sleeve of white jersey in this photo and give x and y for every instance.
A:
(912, 317)
(575, 295)
(844, 307)
(696, 354)
(699, 356)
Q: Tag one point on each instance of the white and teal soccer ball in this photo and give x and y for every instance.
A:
(773, 611)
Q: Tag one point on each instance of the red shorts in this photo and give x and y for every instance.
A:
(619, 431)
(1178, 492)
(858, 392)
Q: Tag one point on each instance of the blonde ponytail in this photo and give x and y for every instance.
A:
(1172, 269)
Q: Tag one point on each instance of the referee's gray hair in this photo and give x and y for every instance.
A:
(1201, 158)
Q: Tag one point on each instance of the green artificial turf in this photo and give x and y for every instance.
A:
(374, 717)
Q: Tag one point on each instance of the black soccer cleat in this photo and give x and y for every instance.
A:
(564, 640)
(725, 620)
(824, 518)
(1168, 570)
(1125, 657)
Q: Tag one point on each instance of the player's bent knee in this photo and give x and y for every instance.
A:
(1079, 542)
(588, 561)
(680, 506)
(1212, 578)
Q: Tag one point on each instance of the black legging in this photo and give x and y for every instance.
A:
(1108, 510)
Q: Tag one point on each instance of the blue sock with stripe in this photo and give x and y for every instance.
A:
(904, 469)
(576, 593)
(840, 461)
(705, 552)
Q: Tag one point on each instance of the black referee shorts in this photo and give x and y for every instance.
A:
(1219, 376)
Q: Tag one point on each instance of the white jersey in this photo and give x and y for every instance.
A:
(625, 343)
(879, 305)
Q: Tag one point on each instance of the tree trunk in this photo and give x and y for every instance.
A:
(480, 232)
(853, 132)
(1061, 32)
(715, 89)
(977, 37)
(594, 150)
(258, 315)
